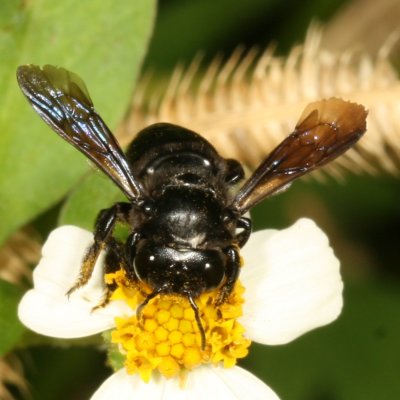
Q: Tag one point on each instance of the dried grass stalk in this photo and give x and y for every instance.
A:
(11, 374)
(246, 105)
(21, 251)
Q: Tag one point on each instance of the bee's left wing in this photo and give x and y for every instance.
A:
(61, 99)
(326, 129)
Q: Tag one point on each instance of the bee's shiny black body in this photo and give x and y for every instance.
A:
(186, 223)
(186, 234)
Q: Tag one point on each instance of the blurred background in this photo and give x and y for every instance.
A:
(356, 357)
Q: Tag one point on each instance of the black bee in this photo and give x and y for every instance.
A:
(186, 228)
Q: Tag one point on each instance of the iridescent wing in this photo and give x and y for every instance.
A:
(61, 99)
(326, 129)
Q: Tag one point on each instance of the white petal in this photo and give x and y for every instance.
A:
(292, 281)
(46, 309)
(204, 382)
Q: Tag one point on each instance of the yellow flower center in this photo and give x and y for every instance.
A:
(167, 339)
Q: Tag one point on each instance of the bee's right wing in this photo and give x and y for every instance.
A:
(326, 129)
(61, 99)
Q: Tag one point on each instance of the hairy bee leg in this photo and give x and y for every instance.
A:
(114, 261)
(243, 236)
(231, 273)
(102, 236)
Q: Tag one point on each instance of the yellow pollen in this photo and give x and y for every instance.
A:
(172, 324)
(177, 350)
(145, 341)
(168, 367)
(175, 337)
(177, 311)
(161, 334)
(150, 310)
(188, 314)
(150, 325)
(166, 339)
(162, 349)
(192, 357)
(189, 339)
(163, 316)
(185, 326)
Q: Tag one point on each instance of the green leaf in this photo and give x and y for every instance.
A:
(65, 373)
(115, 358)
(11, 329)
(225, 20)
(104, 42)
(95, 193)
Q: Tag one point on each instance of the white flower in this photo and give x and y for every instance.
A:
(292, 282)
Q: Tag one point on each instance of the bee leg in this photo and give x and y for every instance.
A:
(130, 253)
(113, 262)
(231, 273)
(243, 236)
(104, 227)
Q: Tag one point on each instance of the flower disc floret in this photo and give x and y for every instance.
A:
(166, 337)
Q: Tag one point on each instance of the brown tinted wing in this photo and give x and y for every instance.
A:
(326, 129)
(61, 99)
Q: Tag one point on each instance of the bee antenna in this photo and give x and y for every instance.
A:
(195, 308)
(149, 297)
(192, 303)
